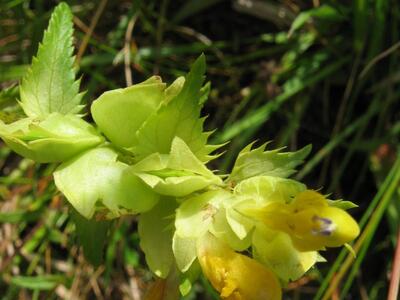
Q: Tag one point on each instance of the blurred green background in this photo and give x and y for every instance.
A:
(325, 73)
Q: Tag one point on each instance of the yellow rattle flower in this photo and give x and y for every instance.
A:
(236, 276)
(310, 221)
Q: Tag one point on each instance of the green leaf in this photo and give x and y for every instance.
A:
(156, 232)
(222, 229)
(12, 71)
(8, 96)
(180, 117)
(194, 217)
(342, 204)
(211, 211)
(97, 181)
(255, 162)
(11, 111)
(174, 89)
(92, 236)
(49, 85)
(189, 277)
(19, 216)
(185, 251)
(240, 224)
(262, 190)
(325, 12)
(120, 113)
(178, 174)
(56, 138)
(42, 282)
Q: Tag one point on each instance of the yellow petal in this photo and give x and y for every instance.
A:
(346, 228)
(236, 276)
(314, 225)
(308, 199)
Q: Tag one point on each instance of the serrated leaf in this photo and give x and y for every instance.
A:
(92, 236)
(180, 117)
(97, 181)
(156, 232)
(56, 138)
(256, 162)
(177, 174)
(120, 113)
(261, 190)
(49, 85)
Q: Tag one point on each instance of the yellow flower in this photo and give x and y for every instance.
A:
(310, 221)
(236, 276)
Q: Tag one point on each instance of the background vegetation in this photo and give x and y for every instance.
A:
(291, 72)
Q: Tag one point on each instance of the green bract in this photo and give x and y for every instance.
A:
(145, 118)
(152, 161)
(113, 111)
(250, 163)
(56, 138)
(156, 230)
(178, 173)
(260, 190)
(105, 184)
(276, 250)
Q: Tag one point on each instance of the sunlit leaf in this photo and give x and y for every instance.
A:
(180, 117)
(178, 174)
(255, 162)
(120, 113)
(156, 232)
(96, 180)
(49, 85)
(54, 139)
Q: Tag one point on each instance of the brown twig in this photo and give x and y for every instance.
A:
(379, 57)
(9, 259)
(89, 33)
(395, 276)
(127, 50)
(82, 26)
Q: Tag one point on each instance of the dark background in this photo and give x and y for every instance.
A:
(333, 83)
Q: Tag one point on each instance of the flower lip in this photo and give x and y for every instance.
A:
(325, 226)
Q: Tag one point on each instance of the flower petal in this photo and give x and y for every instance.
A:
(236, 276)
